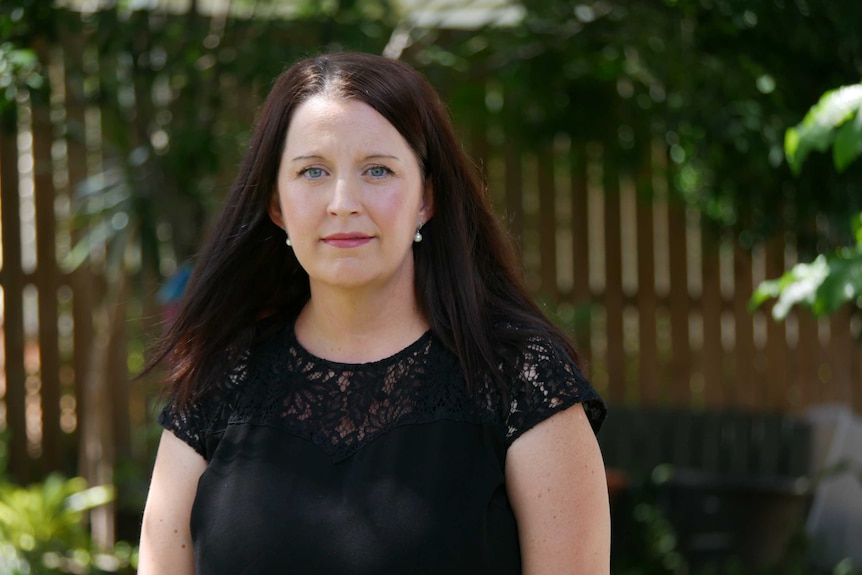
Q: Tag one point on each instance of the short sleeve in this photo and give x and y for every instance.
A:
(546, 380)
(203, 417)
(189, 424)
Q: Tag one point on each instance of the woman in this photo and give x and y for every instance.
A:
(360, 382)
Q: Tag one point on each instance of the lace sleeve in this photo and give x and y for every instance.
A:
(200, 419)
(188, 424)
(546, 381)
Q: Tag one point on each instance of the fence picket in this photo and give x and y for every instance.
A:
(581, 297)
(547, 222)
(712, 353)
(777, 376)
(613, 300)
(743, 327)
(646, 299)
(47, 284)
(76, 161)
(841, 356)
(681, 367)
(13, 314)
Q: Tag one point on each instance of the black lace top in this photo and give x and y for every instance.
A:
(384, 467)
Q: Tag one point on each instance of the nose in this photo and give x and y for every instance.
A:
(345, 197)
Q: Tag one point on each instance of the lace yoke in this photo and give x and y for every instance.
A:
(342, 407)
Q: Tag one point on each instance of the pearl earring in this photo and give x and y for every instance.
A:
(418, 237)
(287, 241)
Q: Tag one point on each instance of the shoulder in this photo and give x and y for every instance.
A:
(195, 420)
(546, 379)
(554, 469)
(207, 413)
(557, 487)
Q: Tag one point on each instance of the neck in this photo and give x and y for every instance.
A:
(343, 326)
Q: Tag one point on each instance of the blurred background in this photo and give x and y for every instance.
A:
(680, 177)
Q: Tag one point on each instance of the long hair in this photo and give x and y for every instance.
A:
(467, 278)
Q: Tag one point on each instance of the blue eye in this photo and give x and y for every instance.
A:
(313, 173)
(379, 171)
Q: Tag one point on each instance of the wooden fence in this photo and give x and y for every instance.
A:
(658, 303)
(658, 306)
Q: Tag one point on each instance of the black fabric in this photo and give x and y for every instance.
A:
(384, 467)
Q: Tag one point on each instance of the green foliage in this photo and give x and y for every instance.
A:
(42, 529)
(21, 22)
(643, 540)
(824, 285)
(18, 67)
(717, 81)
(835, 279)
(836, 120)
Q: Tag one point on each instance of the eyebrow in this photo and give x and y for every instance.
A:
(368, 157)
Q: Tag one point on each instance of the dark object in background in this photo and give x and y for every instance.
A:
(717, 518)
(716, 486)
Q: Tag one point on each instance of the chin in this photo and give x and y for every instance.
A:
(349, 279)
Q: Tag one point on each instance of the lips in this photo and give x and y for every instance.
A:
(347, 240)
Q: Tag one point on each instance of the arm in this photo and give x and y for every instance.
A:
(556, 483)
(166, 542)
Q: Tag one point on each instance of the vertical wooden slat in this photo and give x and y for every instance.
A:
(115, 364)
(118, 371)
(743, 330)
(547, 224)
(81, 282)
(647, 300)
(13, 320)
(98, 428)
(141, 414)
(47, 281)
(613, 271)
(581, 296)
(825, 369)
(80, 279)
(97, 458)
(807, 359)
(841, 355)
(711, 304)
(776, 381)
(680, 366)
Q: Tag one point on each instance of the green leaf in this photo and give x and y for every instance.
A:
(767, 290)
(791, 150)
(848, 142)
(23, 58)
(817, 130)
(801, 285)
(843, 283)
(823, 285)
(856, 226)
(89, 498)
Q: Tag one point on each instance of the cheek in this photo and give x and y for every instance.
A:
(296, 210)
(399, 214)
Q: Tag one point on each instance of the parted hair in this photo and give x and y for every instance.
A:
(467, 275)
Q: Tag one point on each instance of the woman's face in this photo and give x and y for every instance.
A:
(350, 195)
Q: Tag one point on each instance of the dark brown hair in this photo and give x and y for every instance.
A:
(467, 279)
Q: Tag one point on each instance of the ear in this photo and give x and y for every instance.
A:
(426, 212)
(274, 209)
